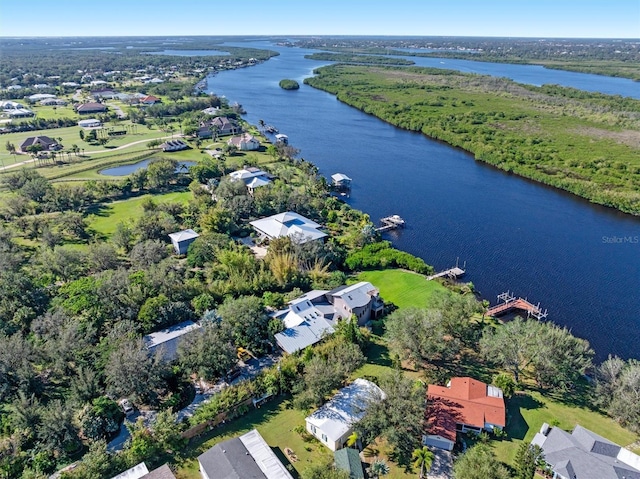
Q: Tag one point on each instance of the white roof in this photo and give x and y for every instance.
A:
(336, 417)
(41, 96)
(289, 224)
(183, 235)
(356, 295)
(88, 121)
(246, 174)
(136, 472)
(264, 456)
(340, 177)
(155, 339)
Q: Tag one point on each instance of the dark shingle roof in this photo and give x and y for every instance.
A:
(230, 460)
(163, 472)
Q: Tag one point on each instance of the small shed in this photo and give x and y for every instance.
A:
(341, 180)
(348, 459)
(182, 239)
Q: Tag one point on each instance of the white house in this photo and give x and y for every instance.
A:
(182, 239)
(333, 423)
(252, 177)
(90, 123)
(244, 142)
(288, 224)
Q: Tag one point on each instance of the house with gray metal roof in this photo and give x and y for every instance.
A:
(244, 457)
(583, 454)
(167, 340)
(312, 316)
(333, 423)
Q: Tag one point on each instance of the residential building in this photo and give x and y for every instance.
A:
(149, 100)
(244, 142)
(53, 102)
(464, 404)
(140, 471)
(313, 316)
(46, 143)
(583, 454)
(167, 340)
(174, 145)
(101, 93)
(91, 107)
(348, 459)
(40, 96)
(222, 125)
(182, 239)
(291, 224)
(244, 457)
(90, 123)
(333, 422)
(252, 177)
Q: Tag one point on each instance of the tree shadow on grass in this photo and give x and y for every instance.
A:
(580, 395)
(517, 426)
(284, 459)
(377, 353)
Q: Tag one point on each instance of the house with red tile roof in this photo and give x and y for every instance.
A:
(463, 405)
(149, 100)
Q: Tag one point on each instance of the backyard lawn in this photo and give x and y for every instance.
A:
(402, 288)
(105, 220)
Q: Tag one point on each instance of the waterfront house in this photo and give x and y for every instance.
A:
(91, 107)
(244, 142)
(222, 125)
(313, 316)
(44, 142)
(167, 340)
(464, 404)
(333, 423)
(291, 224)
(182, 239)
(245, 457)
(583, 454)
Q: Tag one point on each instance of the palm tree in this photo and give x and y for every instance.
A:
(352, 440)
(422, 458)
(378, 468)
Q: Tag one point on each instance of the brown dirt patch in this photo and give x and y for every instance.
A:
(627, 137)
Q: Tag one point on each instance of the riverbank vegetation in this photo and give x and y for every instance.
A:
(358, 58)
(584, 143)
(289, 84)
(618, 58)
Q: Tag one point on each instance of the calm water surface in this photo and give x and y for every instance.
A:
(124, 170)
(580, 261)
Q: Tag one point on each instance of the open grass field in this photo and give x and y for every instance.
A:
(402, 288)
(528, 411)
(70, 136)
(104, 220)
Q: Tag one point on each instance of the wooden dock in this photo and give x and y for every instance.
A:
(451, 273)
(510, 302)
(390, 223)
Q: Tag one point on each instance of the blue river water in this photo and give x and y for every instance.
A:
(580, 261)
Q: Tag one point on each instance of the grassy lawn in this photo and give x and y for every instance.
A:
(403, 288)
(276, 422)
(104, 220)
(526, 412)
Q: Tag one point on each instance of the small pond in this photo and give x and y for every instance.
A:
(124, 170)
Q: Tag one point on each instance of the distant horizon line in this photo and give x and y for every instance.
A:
(14, 37)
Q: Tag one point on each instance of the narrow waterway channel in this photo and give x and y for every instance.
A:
(580, 261)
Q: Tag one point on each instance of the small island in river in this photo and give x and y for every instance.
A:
(289, 84)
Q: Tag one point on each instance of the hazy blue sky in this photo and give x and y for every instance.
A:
(514, 18)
